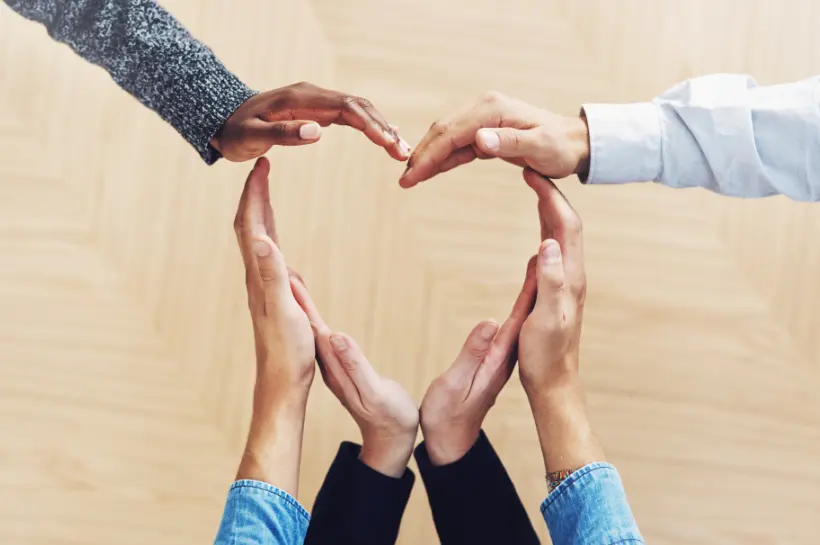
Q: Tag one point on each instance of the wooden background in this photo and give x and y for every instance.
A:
(125, 347)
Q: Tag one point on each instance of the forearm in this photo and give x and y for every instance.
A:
(721, 132)
(472, 498)
(151, 56)
(274, 448)
(357, 504)
(586, 503)
(564, 432)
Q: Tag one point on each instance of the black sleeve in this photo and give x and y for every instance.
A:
(358, 505)
(473, 499)
(150, 55)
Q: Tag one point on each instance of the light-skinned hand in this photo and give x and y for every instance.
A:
(496, 125)
(550, 339)
(285, 349)
(456, 403)
(386, 414)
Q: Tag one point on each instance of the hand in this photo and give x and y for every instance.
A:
(292, 115)
(456, 403)
(285, 349)
(384, 411)
(499, 126)
(550, 338)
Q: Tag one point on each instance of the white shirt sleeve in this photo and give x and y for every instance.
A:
(721, 132)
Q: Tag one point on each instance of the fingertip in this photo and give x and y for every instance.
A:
(406, 180)
(487, 329)
(532, 177)
(262, 166)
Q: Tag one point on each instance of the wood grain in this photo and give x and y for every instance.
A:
(125, 344)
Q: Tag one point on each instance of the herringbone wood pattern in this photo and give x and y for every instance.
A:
(125, 345)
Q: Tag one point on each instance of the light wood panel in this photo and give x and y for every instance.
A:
(124, 342)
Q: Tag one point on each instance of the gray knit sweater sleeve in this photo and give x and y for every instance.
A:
(150, 55)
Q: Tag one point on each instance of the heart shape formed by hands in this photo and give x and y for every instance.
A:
(291, 335)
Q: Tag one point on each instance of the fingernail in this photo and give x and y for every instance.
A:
(261, 248)
(338, 342)
(309, 131)
(390, 136)
(552, 251)
(489, 139)
(404, 147)
(488, 331)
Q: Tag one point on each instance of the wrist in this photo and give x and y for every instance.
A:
(578, 136)
(273, 451)
(388, 455)
(564, 430)
(445, 446)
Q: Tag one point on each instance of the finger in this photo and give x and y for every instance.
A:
(504, 344)
(355, 363)
(447, 135)
(354, 114)
(249, 220)
(268, 216)
(401, 149)
(302, 296)
(508, 143)
(561, 222)
(550, 275)
(284, 133)
(473, 351)
(331, 368)
(334, 373)
(457, 158)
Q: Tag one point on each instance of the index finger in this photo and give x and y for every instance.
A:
(302, 296)
(561, 222)
(445, 137)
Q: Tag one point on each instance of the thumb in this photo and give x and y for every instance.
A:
(474, 351)
(272, 269)
(287, 133)
(508, 143)
(550, 278)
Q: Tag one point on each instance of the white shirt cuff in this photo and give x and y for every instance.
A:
(624, 142)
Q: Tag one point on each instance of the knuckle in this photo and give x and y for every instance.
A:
(492, 97)
(573, 224)
(364, 103)
(449, 383)
(348, 101)
(580, 288)
(288, 95)
(439, 128)
(280, 130)
(478, 351)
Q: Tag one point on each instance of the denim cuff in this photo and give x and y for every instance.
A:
(258, 488)
(590, 506)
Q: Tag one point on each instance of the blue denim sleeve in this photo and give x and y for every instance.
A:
(590, 507)
(257, 513)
